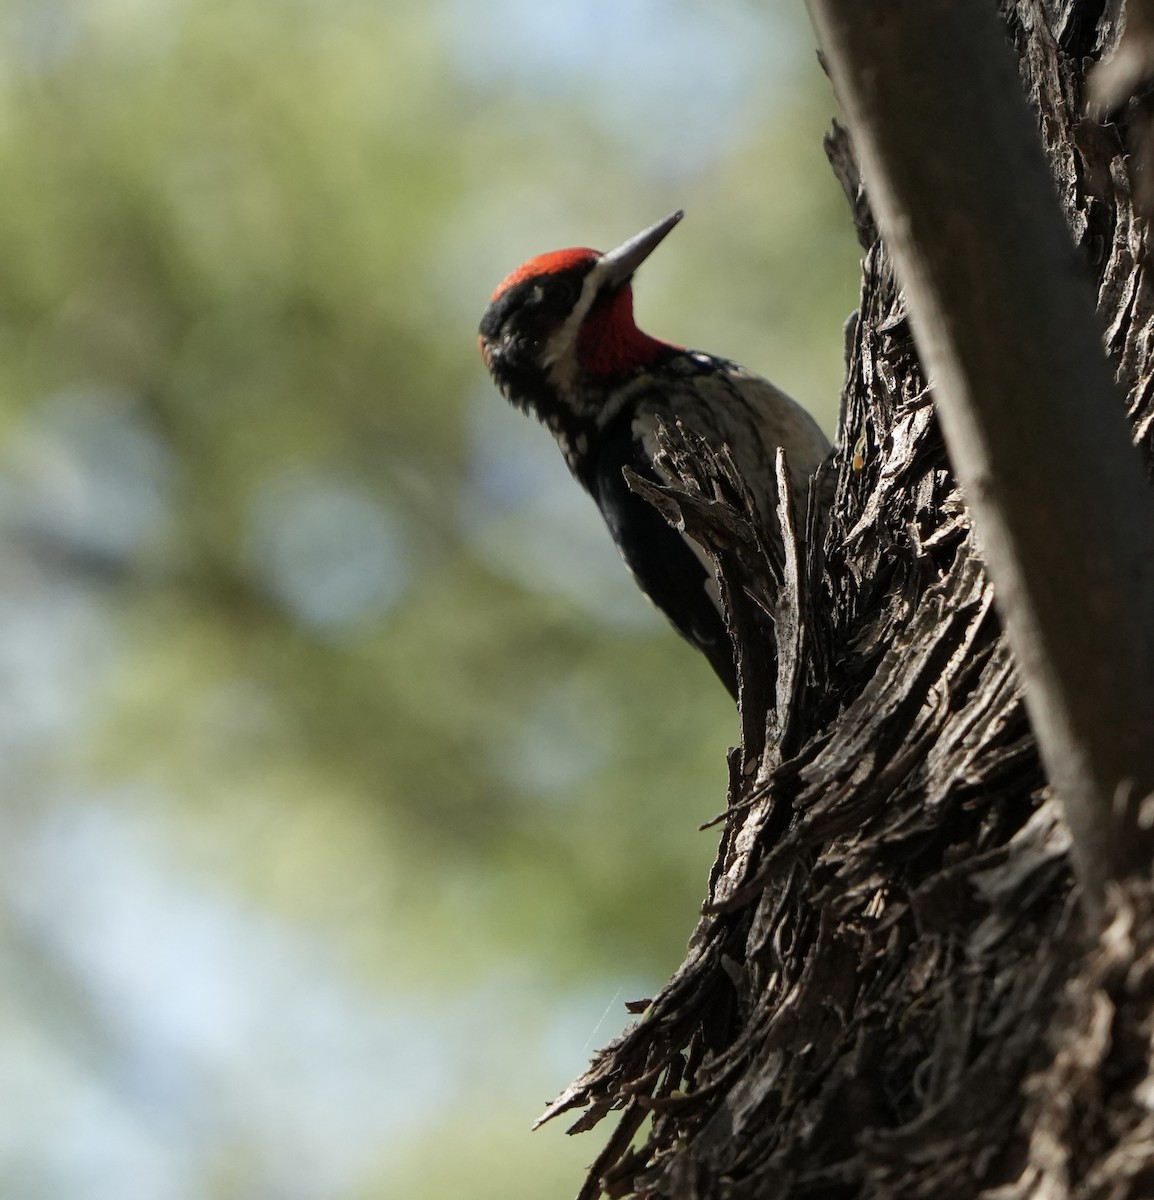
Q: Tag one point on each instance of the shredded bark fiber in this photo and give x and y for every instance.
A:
(889, 993)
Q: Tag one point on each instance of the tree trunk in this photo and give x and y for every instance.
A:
(889, 994)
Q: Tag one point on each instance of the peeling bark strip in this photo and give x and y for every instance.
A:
(886, 995)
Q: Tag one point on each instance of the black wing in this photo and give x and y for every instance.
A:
(662, 563)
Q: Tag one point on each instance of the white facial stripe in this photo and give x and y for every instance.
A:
(558, 358)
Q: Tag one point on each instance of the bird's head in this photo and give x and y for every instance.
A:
(561, 326)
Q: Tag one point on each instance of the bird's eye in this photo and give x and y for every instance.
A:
(536, 295)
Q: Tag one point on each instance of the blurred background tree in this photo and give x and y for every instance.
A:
(350, 787)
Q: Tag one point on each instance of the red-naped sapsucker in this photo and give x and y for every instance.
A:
(559, 340)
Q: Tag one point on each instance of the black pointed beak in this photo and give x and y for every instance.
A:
(616, 266)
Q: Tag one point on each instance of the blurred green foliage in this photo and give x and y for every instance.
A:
(370, 666)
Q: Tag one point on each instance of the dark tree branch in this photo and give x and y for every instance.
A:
(1003, 316)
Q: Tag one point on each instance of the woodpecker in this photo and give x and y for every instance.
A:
(560, 342)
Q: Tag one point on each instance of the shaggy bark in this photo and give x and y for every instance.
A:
(1003, 317)
(888, 994)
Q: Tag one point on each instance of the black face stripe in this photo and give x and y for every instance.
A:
(537, 304)
(516, 328)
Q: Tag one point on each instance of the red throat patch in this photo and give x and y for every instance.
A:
(610, 342)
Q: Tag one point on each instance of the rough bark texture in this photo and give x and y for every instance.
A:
(888, 994)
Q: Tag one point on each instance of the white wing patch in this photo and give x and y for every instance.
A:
(644, 430)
